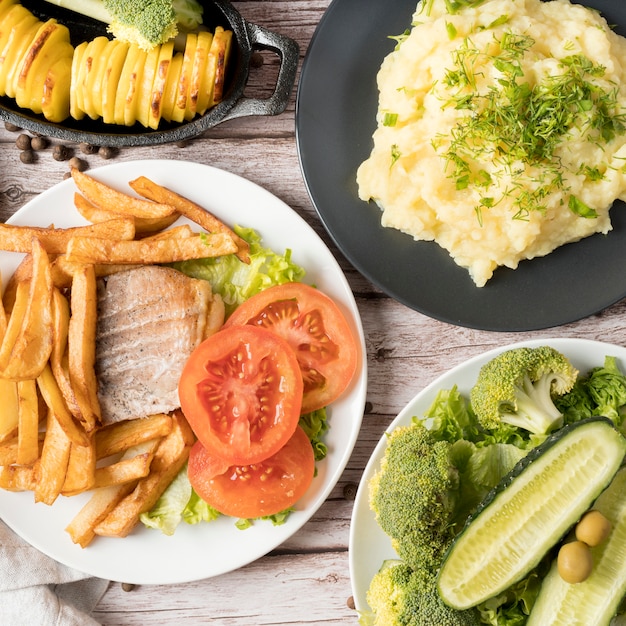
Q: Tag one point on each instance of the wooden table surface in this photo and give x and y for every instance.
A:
(306, 580)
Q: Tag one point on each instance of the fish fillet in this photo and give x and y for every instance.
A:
(150, 319)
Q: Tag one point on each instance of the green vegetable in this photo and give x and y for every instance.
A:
(432, 476)
(517, 387)
(601, 392)
(236, 281)
(400, 596)
(531, 509)
(595, 600)
(145, 22)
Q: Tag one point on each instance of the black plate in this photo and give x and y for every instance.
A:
(247, 38)
(335, 119)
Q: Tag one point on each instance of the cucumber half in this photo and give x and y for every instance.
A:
(595, 600)
(530, 510)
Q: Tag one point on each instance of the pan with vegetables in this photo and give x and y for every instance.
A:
(104, 73)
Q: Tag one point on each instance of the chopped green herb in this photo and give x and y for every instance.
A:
(581, 209)
(390, 119)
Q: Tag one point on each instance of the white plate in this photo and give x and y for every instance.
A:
(369, 546)
(208, 549)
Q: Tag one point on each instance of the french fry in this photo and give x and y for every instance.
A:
(106, 197)
(27, 343)
(8, 394)
(192, 211)
(28, 427)
(51, 468)
(63, 270)
(54, 401)
(121, 436)
(101, 503)
(14, 238)
(18, 477)
(168, 250)
(80, 475)
(106, 498)
(125, 470)
(143, 225)
(171, 455)
(8, 451)
(22, 274)
(82, 346)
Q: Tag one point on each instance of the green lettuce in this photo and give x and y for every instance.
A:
(235, 281)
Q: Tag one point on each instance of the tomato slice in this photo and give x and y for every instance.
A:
(255, 490)
(315, 328)
(241, 392)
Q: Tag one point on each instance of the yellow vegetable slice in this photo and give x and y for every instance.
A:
(180, 106)
(145, 89)
(197, 95)
(111, 80)
(171, 87)
(76, 94)
(157, 91)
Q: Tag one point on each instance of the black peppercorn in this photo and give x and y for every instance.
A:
(79, 164)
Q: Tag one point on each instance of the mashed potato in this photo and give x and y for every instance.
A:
(501, 130)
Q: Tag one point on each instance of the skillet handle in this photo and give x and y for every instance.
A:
(288, 51)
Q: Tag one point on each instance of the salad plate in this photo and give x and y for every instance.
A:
(336, 108)
(369, 546)
(147, 556)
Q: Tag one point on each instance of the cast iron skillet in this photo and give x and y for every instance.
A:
(247, 39)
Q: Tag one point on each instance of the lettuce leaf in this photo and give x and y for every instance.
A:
(236, 281)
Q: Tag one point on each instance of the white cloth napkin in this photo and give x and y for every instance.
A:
(37, 590)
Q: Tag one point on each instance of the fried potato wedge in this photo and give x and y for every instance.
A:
(54, 401)
(106, 498)
(121, 436)
(101, 503)
(163, 250)
(15, 238)
(80, 475)
(143, 225)
(82, 345)
(18, 477)
(63, 270)
(9, 418)
(27, 343)
(124, 471)
(51, 468)
(170, 456)
(28, 427)
(59, 360)
(116, 201)
(192, 211)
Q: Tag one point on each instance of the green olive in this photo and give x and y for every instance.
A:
(593, 528)
(574, 562)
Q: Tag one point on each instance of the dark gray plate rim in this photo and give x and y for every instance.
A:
(335, 118)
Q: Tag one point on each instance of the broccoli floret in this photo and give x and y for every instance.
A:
(400, 596)
(147, 23)
(414, 495)
(517, 388)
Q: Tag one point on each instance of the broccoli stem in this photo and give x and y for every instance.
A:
(90, 8)
(536, 411)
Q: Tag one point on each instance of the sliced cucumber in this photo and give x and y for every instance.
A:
(530, 510)
(594, 601)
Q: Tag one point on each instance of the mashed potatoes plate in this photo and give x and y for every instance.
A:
(501, 130)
